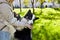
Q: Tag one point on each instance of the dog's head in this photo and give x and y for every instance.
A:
(30, 17)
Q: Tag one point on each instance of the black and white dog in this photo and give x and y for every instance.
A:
(25, 34)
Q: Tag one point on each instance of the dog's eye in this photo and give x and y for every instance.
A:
(27, 17)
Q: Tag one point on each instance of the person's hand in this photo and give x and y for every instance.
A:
(29, 26)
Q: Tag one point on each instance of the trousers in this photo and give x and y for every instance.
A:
(4, 35)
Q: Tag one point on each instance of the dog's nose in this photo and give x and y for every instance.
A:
(36, 18)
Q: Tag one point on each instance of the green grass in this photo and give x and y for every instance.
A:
(47, 27)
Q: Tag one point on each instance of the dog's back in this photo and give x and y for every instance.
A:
(25, 34)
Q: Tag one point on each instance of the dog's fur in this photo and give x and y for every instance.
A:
(25, 34)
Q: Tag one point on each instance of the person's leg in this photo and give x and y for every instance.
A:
(4, 35)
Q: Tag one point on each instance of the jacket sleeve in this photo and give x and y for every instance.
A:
(9, 16)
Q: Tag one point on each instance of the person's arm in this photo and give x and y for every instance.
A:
(9, 16)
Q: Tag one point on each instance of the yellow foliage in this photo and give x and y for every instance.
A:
(49, 0)
(26, 2)
(41, 1)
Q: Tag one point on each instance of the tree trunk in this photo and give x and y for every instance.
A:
(33, 6)
(20, 6)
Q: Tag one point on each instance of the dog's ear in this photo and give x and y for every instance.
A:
(28, 15)
(29, 12)
(18, 17)
(15, 14)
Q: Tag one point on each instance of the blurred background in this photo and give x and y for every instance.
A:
(37, 3)
(47, 27)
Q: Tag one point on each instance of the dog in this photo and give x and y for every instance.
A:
(25, 34)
